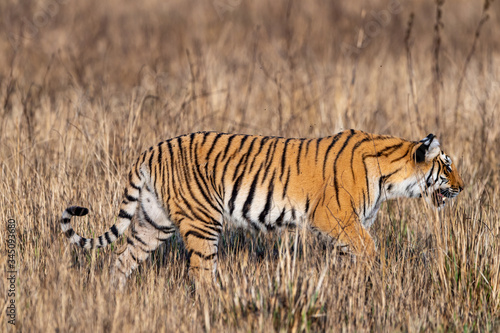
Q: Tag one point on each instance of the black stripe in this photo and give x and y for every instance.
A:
(249, 151)
(65, 221)
(215, 226)
(334, 141)
(236, 168)
(439, 170)
(390, 149)
(124, 215)
(181, 163)
(205, 134)
(279, 220)
(234, 194)
(199, 208)
(270, 151)
(202, 268)
(209, 227)
(307, 146)
(283, 158)
(262, 143)
(213, 180)
(199, 235)
(335, 173)
(254, 225)
(83, 241)
(251, 194)
(150, 162)
(136, 168)
(153, 223)
(364, 203)
(228, 145)
(216, 162)
(401, 157)
(165, 189)
(130, 242)
(133, 185)
(101, 244)
(427, 181)
(307, 204)
(114, 230)
(356, 146)
(286, 183)
(108, 239)
(384, 152)
(128, 196)
(407, 190)
(134, 235)
(317, 149)
(382, 180)
(217, 137)
(171, 168)
(243, 140)
(199, 254)
(367, 183)
(191, 150)
(204, 190)
(298, 156)
(187, 210)
(353, 208)
(69, 233)
(77, 211)
(159, 167)
(267, 162)
(131, 198)
(267, 206)
(142, 160)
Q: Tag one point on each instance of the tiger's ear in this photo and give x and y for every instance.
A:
(428, 149)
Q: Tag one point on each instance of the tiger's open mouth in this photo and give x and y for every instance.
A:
(440, 196)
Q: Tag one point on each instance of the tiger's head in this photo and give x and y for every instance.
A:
(441, 179)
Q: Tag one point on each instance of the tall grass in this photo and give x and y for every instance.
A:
(86, 86)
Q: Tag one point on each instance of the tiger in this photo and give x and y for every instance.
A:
(200, 182)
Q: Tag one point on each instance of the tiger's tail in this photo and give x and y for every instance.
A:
(127, 211)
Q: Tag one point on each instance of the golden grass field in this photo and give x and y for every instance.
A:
(86, 86)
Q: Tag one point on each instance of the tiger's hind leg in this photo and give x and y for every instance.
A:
(201, 241)
(150, 229)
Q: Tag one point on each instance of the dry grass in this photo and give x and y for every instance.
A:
(85, 86)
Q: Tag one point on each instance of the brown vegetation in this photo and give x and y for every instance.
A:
(85, 86)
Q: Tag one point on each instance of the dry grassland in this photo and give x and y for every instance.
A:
(85, 86)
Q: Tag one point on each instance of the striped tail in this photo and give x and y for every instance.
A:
(127, 211)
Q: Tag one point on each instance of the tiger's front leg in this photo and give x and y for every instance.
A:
(347, 230)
